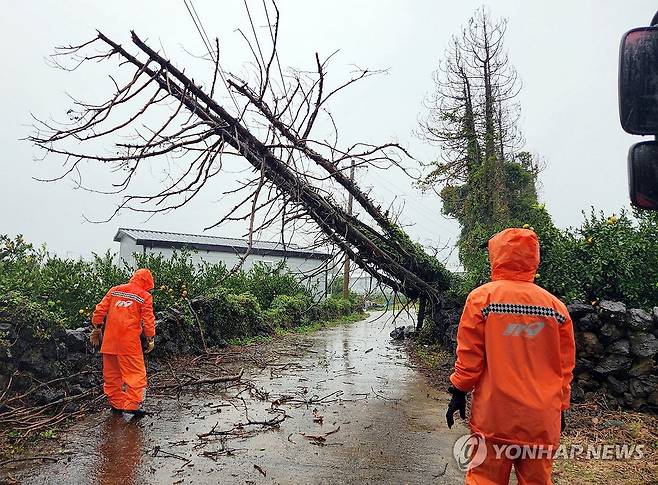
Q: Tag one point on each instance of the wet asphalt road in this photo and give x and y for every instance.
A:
(351, 408)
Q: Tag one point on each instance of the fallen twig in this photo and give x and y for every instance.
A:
(158, 450)
(381, 396)
(200, 382)
(260, 470)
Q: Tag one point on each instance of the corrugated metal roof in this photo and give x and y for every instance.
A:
(214, 243)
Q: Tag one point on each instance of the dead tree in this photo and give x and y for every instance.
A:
(268, 123)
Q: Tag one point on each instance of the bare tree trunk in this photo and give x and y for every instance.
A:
(422, 304)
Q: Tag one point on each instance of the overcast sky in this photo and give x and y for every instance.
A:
(565, 53)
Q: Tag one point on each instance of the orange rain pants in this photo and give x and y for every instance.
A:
(125, 380)
(497, 470)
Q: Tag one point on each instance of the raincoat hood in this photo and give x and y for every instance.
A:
(514, 255)
(143, 279)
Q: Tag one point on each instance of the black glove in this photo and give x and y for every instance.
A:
(563, 423)
(457, 403)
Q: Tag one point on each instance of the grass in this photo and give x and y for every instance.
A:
(12, 446)
(432, 356)
(593, 423)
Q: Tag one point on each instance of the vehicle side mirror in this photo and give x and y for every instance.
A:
(643, 175)
(638, 81)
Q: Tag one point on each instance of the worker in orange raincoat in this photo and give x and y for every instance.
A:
(516, 352)
(126, 312)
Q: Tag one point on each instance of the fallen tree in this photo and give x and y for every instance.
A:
(295, 176)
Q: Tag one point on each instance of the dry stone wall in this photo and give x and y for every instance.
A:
(616, 352)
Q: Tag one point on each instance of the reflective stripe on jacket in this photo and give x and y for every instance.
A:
(125, 310)
(515, 348)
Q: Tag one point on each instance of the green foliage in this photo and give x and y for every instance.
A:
(320, 324)
(336, 286)
(475, 259)
(481, 216)
(607, 257)
(487, 186)
(178, 277)
(485, 182)
(48, 434)
(267, 283)
(44, 293)
(228, 315)
(336, 291)
(69, 288)
(287, 311)
(300, 310)
(29, 319)
(332, 308)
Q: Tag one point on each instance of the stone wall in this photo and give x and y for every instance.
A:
(616, 352)
(45, 362)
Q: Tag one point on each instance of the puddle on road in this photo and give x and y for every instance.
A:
(349, 408)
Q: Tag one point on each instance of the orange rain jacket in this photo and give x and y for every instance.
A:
(515, 348)
(127, 308)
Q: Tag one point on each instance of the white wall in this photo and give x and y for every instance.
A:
(127, 249)
(363, 283)
(300, 266)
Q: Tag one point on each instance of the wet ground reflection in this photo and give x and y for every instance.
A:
(347, 405)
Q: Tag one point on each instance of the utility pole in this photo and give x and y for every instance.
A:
(346, 268)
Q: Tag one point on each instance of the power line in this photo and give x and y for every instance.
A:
(206, 41)
(198, 27)
(414, 203)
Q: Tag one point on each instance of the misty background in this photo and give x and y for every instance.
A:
(566, 55)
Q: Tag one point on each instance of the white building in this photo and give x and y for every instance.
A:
(363, 283)
(213, 249)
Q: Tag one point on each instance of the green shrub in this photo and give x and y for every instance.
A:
(69, 288)
(26, 319)
(267, 283)
(179, 277)
(607, 257)
(232, 305)
(227, 315)
(333, 308)
(176, 278)
(20, 265)
(290, 311)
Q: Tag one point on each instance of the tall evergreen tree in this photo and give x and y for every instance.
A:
(484, 179)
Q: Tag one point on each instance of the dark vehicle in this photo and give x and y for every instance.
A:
(638, 110)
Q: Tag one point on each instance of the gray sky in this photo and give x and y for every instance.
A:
(565, 53)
